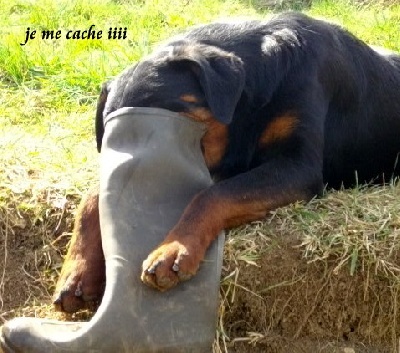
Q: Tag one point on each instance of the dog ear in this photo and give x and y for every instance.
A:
(99, 123)
(221, 76)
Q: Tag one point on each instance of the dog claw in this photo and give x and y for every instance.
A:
(78, 291)
(152, 269)
(175, 268)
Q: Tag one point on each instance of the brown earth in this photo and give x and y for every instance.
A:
(273, 297)
(288, 305)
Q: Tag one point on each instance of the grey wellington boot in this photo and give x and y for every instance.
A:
(151, 166)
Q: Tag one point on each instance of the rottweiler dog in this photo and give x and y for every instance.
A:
(290, 105)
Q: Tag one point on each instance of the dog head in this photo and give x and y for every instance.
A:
(200, 81)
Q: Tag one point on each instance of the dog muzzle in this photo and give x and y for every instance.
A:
(151, 166)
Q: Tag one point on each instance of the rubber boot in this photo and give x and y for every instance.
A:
(151, 166)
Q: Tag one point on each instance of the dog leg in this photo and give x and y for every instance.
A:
(247, 197)
(82, 278)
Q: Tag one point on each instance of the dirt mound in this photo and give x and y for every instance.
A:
(286, 304)
(326, 272)
(322, 277)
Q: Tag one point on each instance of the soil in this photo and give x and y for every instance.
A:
(279, 303)
(31, 248)
(289, 305)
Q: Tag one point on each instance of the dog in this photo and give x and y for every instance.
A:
(290, 105)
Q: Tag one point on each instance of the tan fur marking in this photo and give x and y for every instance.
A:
(215, 140)
(199, 114)
(189, 98)
(214, 143)
(279, 129)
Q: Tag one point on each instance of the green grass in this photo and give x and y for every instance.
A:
(48, 88)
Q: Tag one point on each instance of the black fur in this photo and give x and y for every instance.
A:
(345, 95)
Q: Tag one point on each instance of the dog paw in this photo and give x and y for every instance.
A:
(81, 285)
(171, 263)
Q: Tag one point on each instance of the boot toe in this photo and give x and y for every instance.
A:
(33, 335)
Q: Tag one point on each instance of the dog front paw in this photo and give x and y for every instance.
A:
(172, 262)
